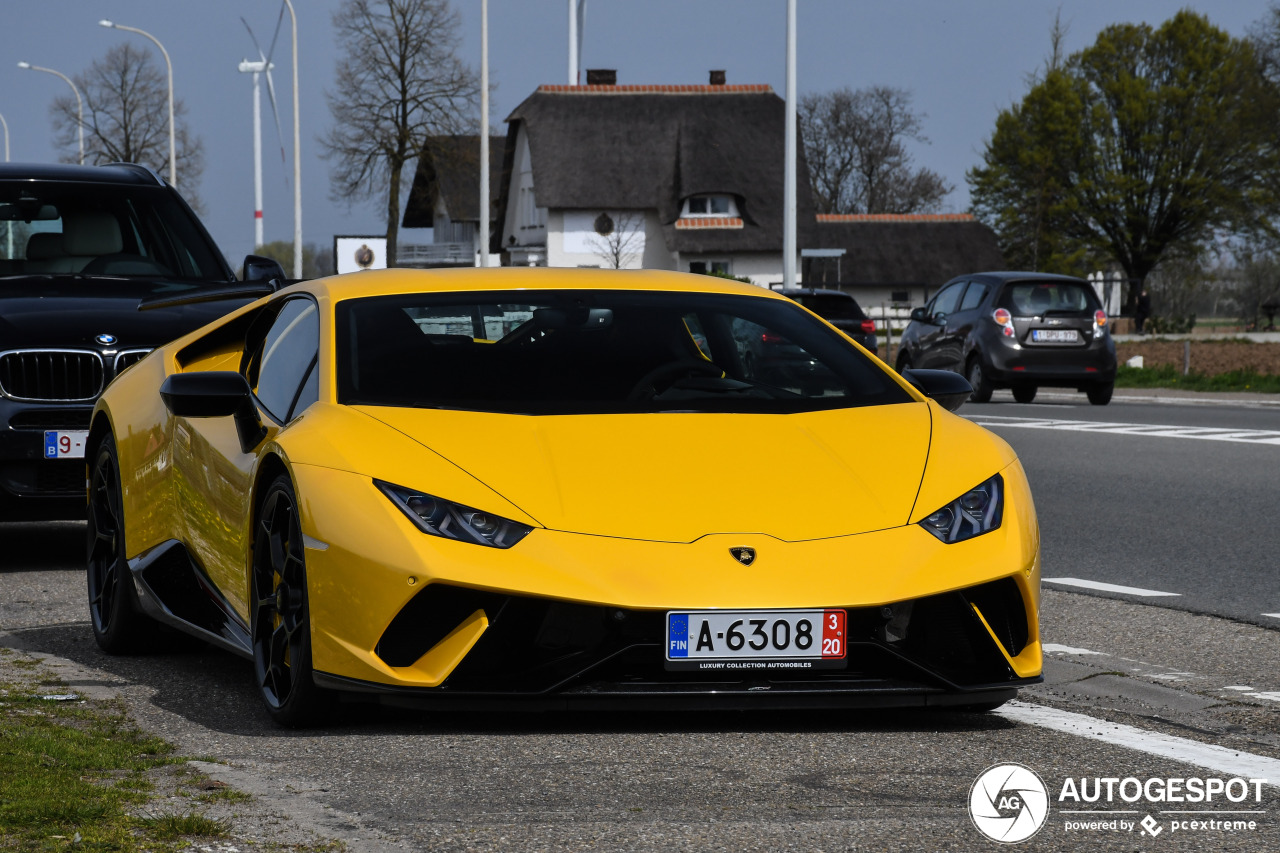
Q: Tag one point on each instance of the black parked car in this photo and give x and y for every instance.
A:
(81, 247)
(1015, 330)
(840, 310)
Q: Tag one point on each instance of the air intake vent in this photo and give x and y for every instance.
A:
(129, 357)
(60, 375)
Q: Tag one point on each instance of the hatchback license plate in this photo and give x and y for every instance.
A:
(756, 639)
(1055, 336)
(65, 444)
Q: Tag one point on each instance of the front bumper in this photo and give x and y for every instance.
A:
(33, 488)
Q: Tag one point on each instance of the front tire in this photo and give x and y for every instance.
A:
(982, 388)
(281, 617)
(1100, 395)
(119, 627)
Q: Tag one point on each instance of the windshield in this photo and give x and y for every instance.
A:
(581, 352)
(87, 229)
(1039, 298)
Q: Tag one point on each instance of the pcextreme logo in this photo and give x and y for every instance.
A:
(1009, 803)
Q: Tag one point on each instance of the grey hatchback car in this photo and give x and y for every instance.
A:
(1015, 330)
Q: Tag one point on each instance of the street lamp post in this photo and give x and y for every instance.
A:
(79, 100)
(6, 138)
(173, 159)
(297, 154)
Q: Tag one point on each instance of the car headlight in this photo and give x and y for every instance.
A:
(449, 520)
(972, 514)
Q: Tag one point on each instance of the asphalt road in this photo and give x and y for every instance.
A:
(1173, 499)
(1158, 692)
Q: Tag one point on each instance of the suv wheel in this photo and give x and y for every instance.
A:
(1024, 393)
(982, 387)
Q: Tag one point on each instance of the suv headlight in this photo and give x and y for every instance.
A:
(449, 520)
(972, 514)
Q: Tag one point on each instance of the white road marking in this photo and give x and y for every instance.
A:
(1272, 615)
(1069, 650)
(1239, 436)
(1270, 696)
(1238, 687)
(1219, 758)
(1109, 587)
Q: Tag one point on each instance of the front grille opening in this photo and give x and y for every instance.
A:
(70, 418)
(63, 375)
(1001, 605)
(428, 618)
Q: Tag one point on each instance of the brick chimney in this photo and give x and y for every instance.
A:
(602, 77)
(717, 78)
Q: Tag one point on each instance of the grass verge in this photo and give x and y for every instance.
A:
(1167, 376)
(75, 773)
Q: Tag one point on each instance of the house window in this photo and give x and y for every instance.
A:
(709, 267)
(710, 205)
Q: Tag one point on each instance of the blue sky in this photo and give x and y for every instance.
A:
(964, 61)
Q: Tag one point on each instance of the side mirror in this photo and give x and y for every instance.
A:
(920, 315)
(948, 389)
(258, 268)
(215, 394)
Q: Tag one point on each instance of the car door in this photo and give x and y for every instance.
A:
(932, 335)
(280, 364)
(952, 343)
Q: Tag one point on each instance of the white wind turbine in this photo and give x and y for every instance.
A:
(262, 67)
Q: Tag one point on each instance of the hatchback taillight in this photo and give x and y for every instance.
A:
(868, 326)
(1100, 318)
(1005, 321)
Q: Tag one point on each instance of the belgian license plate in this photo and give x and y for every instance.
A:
(65, 444)
(1055, 336)
(735, 640)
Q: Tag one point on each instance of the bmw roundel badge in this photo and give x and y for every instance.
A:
(106, 339)
(746, 556)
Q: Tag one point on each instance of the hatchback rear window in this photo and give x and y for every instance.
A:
(1040, 298)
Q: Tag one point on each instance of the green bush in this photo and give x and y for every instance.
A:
(1171, 325)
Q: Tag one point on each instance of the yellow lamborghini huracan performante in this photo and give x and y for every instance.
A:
(559, 486)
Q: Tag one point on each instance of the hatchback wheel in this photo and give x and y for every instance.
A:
(1100, 394)
(978, 379)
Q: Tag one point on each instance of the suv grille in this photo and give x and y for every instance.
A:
(51, 374)
(129, 358)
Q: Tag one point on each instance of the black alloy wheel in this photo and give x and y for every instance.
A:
(982, 387)
(118, 625)
(281, 623)
(1024, 393)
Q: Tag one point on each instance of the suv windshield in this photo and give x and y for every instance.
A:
(1040, 298)
(116, 230)
(581, 352)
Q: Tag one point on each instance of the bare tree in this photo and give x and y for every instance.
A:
(398, 84)
(855, 143)
(126, 118)
(618, 242)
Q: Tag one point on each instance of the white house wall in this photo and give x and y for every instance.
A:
(573, 242)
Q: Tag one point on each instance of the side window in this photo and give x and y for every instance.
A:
(973, 296)
(287, 357)
(945, 303)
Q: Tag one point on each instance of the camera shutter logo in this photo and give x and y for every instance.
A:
(1008, 803)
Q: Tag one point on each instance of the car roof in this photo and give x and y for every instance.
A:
(1014, 275)
(114, 173)
(793, 292)
(405, 281)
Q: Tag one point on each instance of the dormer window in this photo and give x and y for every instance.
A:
(710, 205)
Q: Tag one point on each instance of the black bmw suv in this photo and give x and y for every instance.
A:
(81, 247)
(1015, 330)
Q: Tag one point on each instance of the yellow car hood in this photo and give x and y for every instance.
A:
(675, 477)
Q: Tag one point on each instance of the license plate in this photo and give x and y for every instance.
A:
(1056, 336)
(735, 640)
(65, 444)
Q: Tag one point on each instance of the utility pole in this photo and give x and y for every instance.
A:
(789, 176)
(483, 228)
